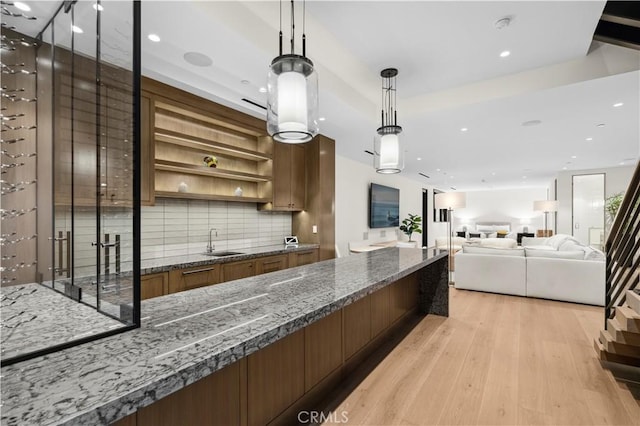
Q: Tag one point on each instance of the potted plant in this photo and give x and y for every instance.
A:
(612, 205)
(411, 225)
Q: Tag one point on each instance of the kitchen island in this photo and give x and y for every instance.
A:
(241, 352)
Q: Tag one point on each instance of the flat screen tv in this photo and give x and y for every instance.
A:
(384, 206)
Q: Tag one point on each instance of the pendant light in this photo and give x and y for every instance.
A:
(292, 92)
(388, 152)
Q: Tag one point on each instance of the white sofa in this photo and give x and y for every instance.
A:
(557, 268)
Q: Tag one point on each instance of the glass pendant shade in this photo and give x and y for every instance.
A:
(388, 155)
(292, 99)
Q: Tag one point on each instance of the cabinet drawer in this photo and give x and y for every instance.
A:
(237, 270)
(300, 258)
(271, 264)
(154, 285)
(190, 278)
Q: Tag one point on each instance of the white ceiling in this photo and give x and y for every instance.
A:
(451, 76)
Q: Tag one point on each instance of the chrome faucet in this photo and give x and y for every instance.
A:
(210, 246)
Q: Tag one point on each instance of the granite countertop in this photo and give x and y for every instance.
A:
(163, 263)
(187, 336)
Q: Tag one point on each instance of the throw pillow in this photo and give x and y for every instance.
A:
(553, 254)
(461, 234)
(592, 254)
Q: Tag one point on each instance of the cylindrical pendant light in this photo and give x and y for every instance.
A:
(388, 152)
(292, 95)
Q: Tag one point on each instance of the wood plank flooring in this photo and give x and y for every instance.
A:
(497, 360)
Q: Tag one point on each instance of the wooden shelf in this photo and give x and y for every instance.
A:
(208, 146)
(190, 169)
(192, 196)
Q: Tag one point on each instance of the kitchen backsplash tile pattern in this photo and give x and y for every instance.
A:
(174, 227)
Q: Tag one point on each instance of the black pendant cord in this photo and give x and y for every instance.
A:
(293, 25)
(304, 28)
(280, 36)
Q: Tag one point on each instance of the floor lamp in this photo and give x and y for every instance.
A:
(450, 201)
(545, 206)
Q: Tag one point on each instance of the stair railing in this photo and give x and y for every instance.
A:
(623, 249)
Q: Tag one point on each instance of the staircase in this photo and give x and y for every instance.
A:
(620, 341)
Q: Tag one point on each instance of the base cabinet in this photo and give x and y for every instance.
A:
(300, 258)
(271, 264)
(154, 285)
(237, 270)
(214, 400)
(190, 278)
(274, 384)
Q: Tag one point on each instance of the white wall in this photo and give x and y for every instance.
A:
(352, 202)
(616, 180)
(507, 205)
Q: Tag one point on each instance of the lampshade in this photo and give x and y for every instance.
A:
(387, 148)
(451, 200)
(545, 206)
(292, 93)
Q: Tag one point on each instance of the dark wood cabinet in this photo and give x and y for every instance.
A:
(288, 178)
(154, 285)
(300, 258)
(190, 278)
(271, 264)
(236, 270)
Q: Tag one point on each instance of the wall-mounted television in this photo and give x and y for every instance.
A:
(384, 206)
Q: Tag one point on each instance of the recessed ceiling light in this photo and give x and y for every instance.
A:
(622, 163)
(262, 90)
(451, 176)
(574, 156)
(419, 158)
(321, 118)
(22, 6)
(245, 81)
(464, 129)
(437, 170)
(77, 29)
(531, 123)
(97, 6)
(589, 139)
(504, 53)
(154, 37)
(493, 173)
(601, 125)
(524, 177)
(619, 104)
(197, 59)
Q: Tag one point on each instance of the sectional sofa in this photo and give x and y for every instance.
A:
(557, 268)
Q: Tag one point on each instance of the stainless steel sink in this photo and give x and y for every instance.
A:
(222, 253)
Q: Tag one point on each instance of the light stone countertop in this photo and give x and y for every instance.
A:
(189, 335)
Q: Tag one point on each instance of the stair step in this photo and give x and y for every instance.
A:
(622, 336)
(603, 355)
(633, 300)
(628, 319)
(618, 348)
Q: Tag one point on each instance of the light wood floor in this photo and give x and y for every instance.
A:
(497, 360)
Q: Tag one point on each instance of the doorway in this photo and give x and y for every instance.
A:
(588, 217)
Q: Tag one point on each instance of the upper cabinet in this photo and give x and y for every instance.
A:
(288, 178)
(194, 148)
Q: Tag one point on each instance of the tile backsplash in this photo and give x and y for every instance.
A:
(175, 227)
